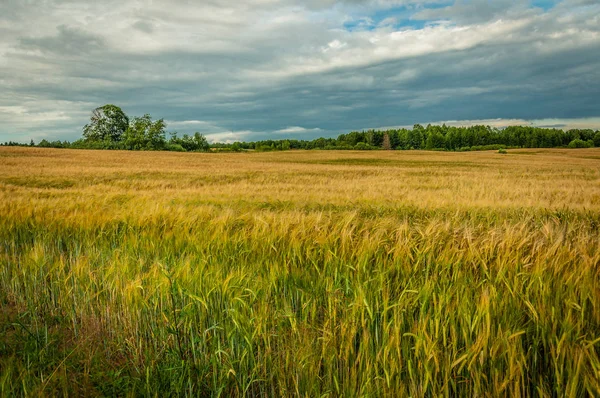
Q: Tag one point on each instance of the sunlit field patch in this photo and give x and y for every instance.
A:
(315, 273)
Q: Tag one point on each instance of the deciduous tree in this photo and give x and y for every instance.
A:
(108, 123)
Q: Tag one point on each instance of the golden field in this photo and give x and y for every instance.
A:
(300, 273)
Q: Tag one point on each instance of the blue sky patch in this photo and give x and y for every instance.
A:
(398, 18)
(544, 4)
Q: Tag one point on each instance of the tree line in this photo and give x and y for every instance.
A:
(111, 128)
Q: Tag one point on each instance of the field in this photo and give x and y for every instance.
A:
(316, 273)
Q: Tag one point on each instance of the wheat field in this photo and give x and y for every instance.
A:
(300, 273)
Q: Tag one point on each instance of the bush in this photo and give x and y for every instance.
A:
(577, 143)
(363, 146)
(88, 144)
(502, 151)
(263, 148)
(193, 143)
(175, 148)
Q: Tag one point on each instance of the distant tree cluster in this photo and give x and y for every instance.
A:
(15, 143)
(434, 137)
(111, 128)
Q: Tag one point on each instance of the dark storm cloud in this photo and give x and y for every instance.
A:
(277, 68)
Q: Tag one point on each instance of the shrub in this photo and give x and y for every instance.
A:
(263, 148)
(175, 148)
(363, 146)
(577, 143)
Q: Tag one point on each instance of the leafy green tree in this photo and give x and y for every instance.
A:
(374, 138)
(403, 141)
(415, 137)
(354, 137)
(201, 142)
(108, 123)
(144, 134)
(435, 140)
(453, 138)
(597, 139)
(196, 142)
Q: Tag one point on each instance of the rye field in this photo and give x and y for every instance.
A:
(300, 273)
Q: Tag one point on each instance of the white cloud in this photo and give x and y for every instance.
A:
(193, 124)
(297, 130)
(567, 124)
(229, 137)
(13, 110)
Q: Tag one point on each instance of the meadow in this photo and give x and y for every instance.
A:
(300, 273)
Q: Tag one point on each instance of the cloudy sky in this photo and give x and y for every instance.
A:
(251, 69)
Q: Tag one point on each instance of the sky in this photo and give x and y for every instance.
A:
(258, 69)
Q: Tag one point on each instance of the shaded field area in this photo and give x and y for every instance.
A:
(316, 273)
